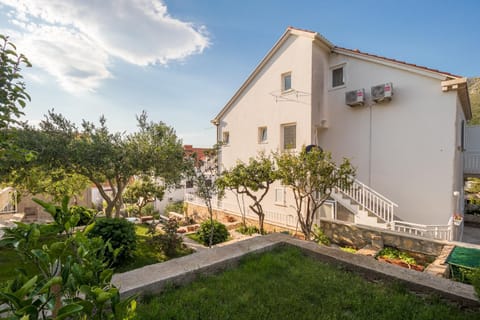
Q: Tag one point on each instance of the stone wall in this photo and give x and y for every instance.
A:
(346, 234)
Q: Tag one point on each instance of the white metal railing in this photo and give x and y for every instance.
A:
(441, 232)
(370, 200)
(472, 162)
(272, 217)
(8, 200)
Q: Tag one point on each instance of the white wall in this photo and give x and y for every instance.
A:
(403, 149)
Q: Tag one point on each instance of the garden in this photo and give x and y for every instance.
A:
(285, 284)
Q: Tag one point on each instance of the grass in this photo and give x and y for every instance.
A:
(143, 255)
(284, 284)
(146, 253)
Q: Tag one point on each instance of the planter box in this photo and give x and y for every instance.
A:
(402, 264)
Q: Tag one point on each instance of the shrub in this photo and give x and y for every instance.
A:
(248, 230)
(220, 232)
(121, 235)
(86, 215)
(169, 242)
(476, 281)
(320, 237)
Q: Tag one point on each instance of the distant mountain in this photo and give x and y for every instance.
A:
(474, 90)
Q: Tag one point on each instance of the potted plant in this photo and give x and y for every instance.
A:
(457, 219)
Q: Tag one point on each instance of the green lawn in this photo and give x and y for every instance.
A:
(284, 284)
(144, 254)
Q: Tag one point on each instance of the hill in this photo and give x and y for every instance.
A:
(474, 90)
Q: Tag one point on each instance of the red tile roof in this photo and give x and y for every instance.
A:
(356, 51)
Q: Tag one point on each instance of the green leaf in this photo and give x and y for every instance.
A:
(27, 287)
(68, 310)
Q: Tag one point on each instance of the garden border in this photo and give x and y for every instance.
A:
(155, 278)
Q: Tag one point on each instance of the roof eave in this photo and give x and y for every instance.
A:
(461, 86)
(315, 36)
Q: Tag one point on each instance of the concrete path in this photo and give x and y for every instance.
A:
(471, 234)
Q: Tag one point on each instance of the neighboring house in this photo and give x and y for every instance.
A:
(401, 125)
(185, 187)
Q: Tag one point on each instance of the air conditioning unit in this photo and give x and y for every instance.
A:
(355, 98)
(382, 92)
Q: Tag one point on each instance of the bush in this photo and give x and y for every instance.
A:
(169, 242)
(86, 215)
(248, 230)
(320, 237)
(220, 232)
(121, 235)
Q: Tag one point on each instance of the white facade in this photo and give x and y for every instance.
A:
(408, 149)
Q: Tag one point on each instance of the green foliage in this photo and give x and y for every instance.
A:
(71, 278)
(285, 284)
(392, 253)
(86, 215)
(13, 96)
(248, 230)
(312, 176)
(252, 179)
(320, 237)
(474, 91)
(175, 207)
(143, 192)
(476, 281)
(105, 158)
(169, 241)
(348, 249)
(120, 234)
(218, 229)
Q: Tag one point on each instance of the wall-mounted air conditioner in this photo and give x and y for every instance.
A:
(355, 98)
(382, 92)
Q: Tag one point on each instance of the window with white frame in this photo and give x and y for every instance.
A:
(262, 135)
(226, 137)
(338, 76)
(280, 196)
(289, 132)
(286, 81)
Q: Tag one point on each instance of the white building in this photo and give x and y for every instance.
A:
(408, 148)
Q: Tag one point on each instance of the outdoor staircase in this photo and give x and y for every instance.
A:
(6, 204)
(368, 206)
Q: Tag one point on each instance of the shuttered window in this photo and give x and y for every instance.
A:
(290, 136)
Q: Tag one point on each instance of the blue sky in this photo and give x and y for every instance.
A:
(181, 60)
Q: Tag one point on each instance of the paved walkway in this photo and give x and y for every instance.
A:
(471, 234)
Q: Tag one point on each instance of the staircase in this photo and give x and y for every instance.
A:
(368, 206)
(8, 200)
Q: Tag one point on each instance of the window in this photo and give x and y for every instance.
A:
(337, 77)
(226, 137)
(262, 135)
(289, 136)
(462, 136)
(280, 196)
(189, 184)
(286, 81)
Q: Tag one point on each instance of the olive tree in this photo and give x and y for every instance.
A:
(312, 177)
(252, 179)
(142, 191)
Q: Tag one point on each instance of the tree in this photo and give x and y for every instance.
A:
(143, 191)
(312, 177)
(70, 276)
(108, 160)
(252, 179)
(203, 177)
(13, 97)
